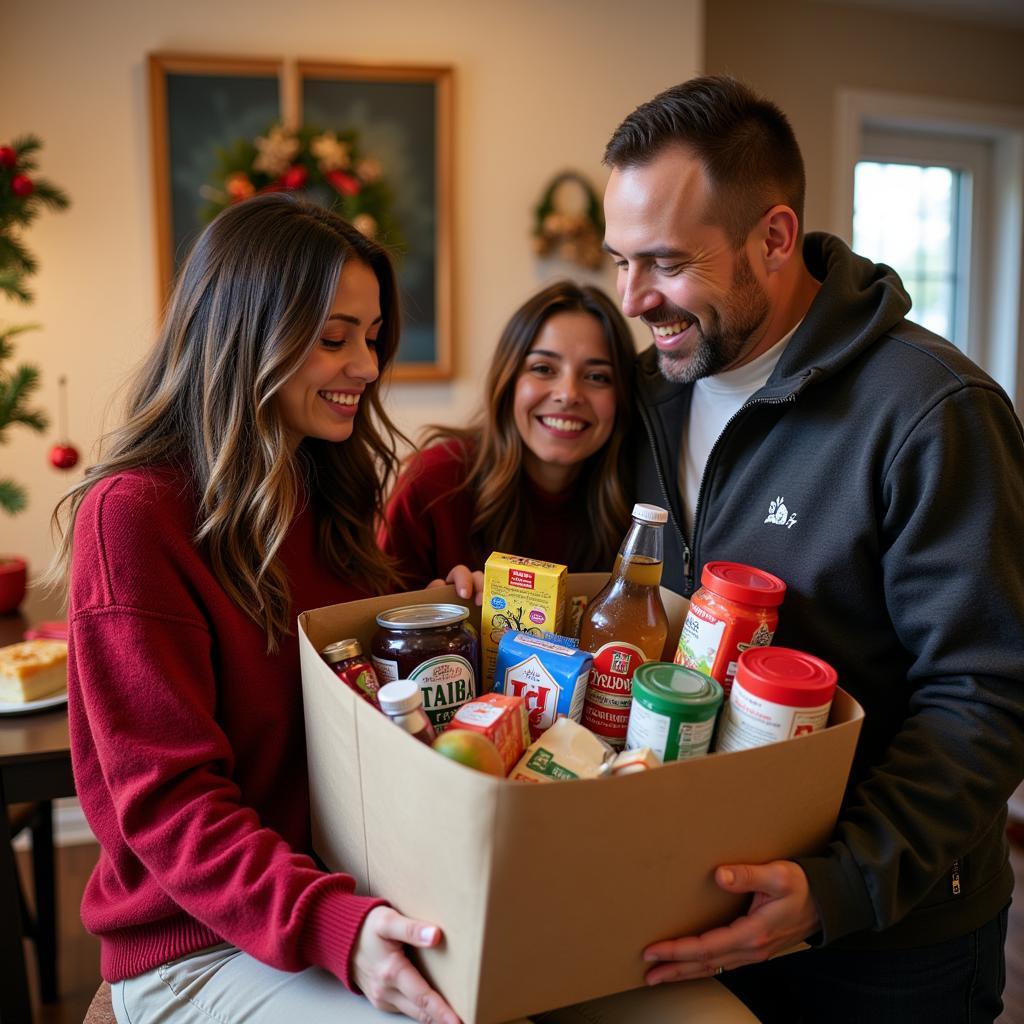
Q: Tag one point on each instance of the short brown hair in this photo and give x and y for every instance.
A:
(745, 143)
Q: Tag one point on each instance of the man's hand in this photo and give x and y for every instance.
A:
(384, 974)
(781, 914)
(467, 583)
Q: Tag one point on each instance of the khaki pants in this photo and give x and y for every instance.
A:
(223, 985)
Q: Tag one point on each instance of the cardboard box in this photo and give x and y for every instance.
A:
(548, 894)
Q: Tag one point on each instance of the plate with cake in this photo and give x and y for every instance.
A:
(33, 676)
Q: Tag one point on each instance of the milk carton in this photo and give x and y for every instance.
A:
(552, 677)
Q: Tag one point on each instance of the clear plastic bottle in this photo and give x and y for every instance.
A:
(625, 625)
(402, 702)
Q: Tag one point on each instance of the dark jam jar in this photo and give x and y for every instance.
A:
(436, 647)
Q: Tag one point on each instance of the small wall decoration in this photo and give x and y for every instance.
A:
(374, 143)
(568, 221)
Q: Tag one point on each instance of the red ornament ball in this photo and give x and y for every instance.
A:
(8, 157)
(64, 456)
(21, 186)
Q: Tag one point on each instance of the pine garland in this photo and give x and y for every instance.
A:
(22, 198)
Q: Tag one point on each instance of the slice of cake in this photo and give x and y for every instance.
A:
(32, 670)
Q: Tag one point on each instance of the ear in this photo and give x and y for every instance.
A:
(779, 237)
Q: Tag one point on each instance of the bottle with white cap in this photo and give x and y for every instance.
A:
(402, 702)
(625, 625)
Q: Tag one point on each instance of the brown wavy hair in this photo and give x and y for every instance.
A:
(249, 306)
(496, 475)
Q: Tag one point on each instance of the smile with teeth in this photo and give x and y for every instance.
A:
(557, 423)
(339, 397)
(668, 330)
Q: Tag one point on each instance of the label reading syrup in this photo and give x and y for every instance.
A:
(610, 691)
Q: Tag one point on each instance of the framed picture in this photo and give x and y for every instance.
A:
(197, 106)
(403, 116)
(201, 106)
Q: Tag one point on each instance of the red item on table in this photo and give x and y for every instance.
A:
(53, 629)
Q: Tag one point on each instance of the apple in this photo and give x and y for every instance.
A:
(472, 750)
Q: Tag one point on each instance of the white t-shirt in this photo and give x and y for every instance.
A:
(715, 401)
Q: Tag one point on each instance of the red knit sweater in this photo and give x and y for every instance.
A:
(430, 516)
(188, 745)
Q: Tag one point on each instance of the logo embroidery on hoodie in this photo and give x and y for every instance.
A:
(780, 515)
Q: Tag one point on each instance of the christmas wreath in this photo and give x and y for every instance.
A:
(325, 166)
(573, 234)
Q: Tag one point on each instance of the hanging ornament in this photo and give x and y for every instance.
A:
(63, 455)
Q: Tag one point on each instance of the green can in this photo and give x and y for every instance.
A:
(673, 710)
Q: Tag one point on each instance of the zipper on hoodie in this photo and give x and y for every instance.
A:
(648, 426)
(955, 878)
(748, 404)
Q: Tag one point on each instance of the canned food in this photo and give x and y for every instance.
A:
(778, 693)
(435, 646)
(736, 607)
(673, 710)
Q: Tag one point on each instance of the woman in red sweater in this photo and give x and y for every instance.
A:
(542, 473)
(241, 490)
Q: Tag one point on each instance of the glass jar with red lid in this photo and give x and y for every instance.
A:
(735, 608)
(350, 665)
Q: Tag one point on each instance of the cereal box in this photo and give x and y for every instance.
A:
(502, 719)
(519, 594)
(552, 677)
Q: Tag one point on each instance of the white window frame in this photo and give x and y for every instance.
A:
(997, 268)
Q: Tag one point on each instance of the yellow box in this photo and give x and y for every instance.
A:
(519, 593)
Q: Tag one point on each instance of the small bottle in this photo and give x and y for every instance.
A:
(625, 625)
(347, 662)
(402, 702)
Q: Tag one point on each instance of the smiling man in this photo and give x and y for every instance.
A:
(795, 420)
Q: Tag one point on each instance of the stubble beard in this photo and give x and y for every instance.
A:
(727, 334)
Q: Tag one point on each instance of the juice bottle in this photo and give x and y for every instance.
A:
(625, 625)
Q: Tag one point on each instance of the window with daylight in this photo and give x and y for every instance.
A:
(935, 189)
(917, 207)
(907, 216)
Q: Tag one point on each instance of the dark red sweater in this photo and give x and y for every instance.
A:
(188, 745)
(430, 516)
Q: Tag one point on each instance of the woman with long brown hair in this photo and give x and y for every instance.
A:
(542, 472)
(242, 488)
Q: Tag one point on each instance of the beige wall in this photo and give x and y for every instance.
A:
(800, 53)
(540, 84)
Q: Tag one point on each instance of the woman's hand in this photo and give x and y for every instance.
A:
(467, 583)
(781, 914)
(384, 974)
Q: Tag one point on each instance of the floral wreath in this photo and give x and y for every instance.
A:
(575, 237)
(327, 167)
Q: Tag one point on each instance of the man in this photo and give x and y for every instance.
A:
(784, 373)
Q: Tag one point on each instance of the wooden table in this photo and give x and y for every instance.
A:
(35, 764)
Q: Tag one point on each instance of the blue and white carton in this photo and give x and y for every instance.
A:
(552, 677)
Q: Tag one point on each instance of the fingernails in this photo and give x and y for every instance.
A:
(728, 876)
(651, 958)
(464, 592)
(428, 934)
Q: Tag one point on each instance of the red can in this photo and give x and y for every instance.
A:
(736, 607)
(346, 660)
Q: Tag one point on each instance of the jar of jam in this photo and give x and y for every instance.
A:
(736, 607)
(402, 702)
(348, 663)
(435, 646)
